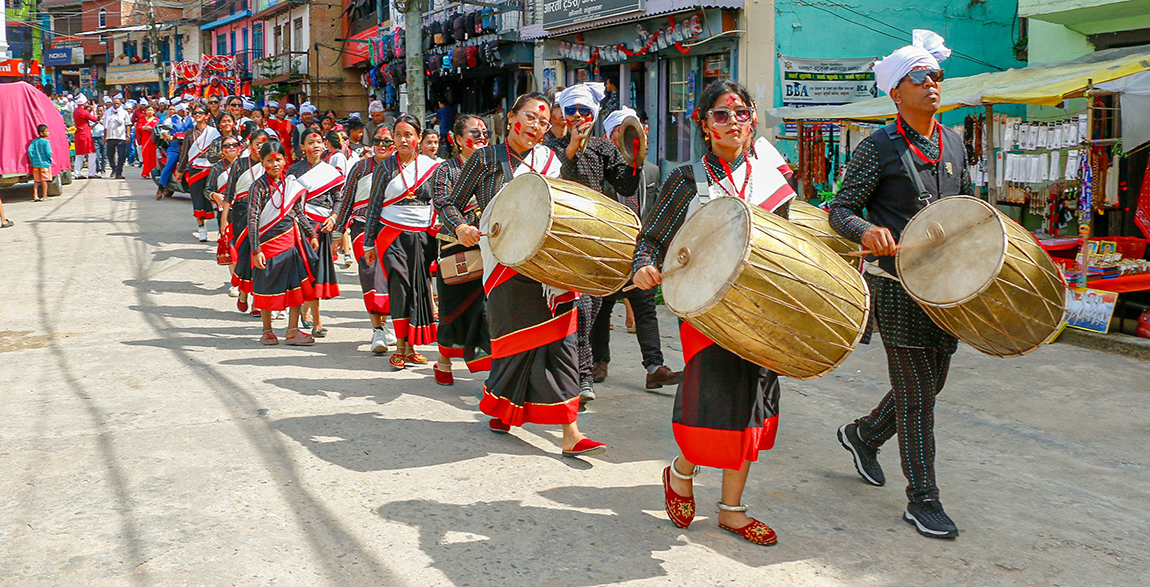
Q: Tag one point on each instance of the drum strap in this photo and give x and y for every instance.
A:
(504, 164)
(907, 158)
(702, 184)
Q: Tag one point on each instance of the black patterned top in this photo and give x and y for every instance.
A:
(345, 199)
(446, 175)
(670, 209)
(385, 171)
(214, 177)
(257, 198)
(862, 178)
(600, 162)
(242, 165)
(481, 178)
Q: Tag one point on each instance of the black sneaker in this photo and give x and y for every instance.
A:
(928, 518)
(866, 458)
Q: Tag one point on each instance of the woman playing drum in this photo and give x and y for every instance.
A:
(462, 316)
(534, 363)
(399, 219)
(726, 409)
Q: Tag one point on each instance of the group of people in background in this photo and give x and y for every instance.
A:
(293, 193)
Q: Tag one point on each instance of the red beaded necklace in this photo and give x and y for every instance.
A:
(742, 194)
(511, 154)
(407, 191)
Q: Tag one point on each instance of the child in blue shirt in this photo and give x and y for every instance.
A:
(40, 154)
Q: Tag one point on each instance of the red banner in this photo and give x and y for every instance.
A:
(1142, 214)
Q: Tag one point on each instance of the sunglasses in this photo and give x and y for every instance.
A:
(722, 116)
(918, 76)
(200, 113)
(583, 111)
(231, 145)
(479, 134)
(213, 101)
(380, 141)
(535, 120)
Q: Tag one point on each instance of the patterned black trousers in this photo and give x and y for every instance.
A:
(588, 307)
(917, 375)
(646, 327)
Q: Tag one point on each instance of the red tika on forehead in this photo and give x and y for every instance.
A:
(731, 99)
(542, 107)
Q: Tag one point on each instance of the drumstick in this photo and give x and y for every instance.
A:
(661, 276)
(935, 236)
(684, 257)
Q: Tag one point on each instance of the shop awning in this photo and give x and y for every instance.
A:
(1046, 84)
(654, 8)
(219, 22)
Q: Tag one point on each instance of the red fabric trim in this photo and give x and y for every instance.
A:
(326, 291)
(535, 336)
(289, 299)
(204, 214)
(201, 173)
(278, 244)
(451, 353)
(414, 335)
(419, 181)
(245, 285)
(500, 274)
(478, 365)
(338, 180)
(776, 199)
(692, 340)
(387, 235)
(725, 449)
(529, 413)
(379, 304)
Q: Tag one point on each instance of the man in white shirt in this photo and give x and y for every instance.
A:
(116, 121)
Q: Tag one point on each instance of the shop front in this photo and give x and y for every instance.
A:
(657, 65)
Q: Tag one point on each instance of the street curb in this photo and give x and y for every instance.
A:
(1118, 344)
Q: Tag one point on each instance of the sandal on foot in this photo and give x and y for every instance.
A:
(300, 339)
(269, 338)
(443, 377)
(397, 361)
(417, 358)
(585, 447)
(498, 426)
(681, 510)
(320, 332)
(304, 322)
(756, 532)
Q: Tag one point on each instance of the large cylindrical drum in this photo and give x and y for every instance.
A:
(563, 234)
(817, 222)
(988, 282)
(765, 289)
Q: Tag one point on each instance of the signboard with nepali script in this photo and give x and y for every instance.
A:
(824, 82)
(559, 13)
(17, 68)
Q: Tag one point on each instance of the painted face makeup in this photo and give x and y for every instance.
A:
(518, 128)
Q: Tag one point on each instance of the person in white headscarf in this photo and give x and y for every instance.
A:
(84, 143)
(597, 164)
(892, 175)
(375, 119)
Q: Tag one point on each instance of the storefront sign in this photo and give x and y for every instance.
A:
(671, 34)
(93, 77)
(140, 73)
(65, 56)
(17, 68)
(1090, 309)
(826, 82)
(558, 13)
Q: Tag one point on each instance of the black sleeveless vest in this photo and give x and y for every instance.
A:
(897, 197)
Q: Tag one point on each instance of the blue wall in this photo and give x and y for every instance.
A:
(981, 29)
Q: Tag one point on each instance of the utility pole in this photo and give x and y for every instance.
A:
(156, 65)
(416, 95)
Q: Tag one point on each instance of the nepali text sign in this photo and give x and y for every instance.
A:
(139, 73)
(825, 82)
(558, 13)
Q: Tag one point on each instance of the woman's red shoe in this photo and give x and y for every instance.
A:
(756, 533)
(397, 361)
(585, 447)
(680, 509)
(497, 426)
(443, 377)
(242, 305)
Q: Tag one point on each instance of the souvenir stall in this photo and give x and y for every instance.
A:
(1065, 156)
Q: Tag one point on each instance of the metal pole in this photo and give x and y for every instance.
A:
(991, 157)
(156, 65)
(416, 95)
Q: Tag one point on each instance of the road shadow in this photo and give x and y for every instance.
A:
(157, 286)
(508, 543)
(370, 442)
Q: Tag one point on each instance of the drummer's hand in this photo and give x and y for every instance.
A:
(314, 242)
(647, 277)
(328, 224)
(468, 235)
(880, 241)
(260, 262)
(577, 134)
(369, 256)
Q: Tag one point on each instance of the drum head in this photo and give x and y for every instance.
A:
(522, 211)
(717, 238)
(967, 261)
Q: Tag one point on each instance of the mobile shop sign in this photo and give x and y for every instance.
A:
(826, 82)
(557, 13)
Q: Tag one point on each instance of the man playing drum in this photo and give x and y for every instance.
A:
(893, 174)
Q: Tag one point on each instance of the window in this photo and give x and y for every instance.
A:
(297, 35)
(244, 34)
(277, 40)
(179, 48)
(165, 50)
(103, 18)
(221, 45)
(146, 50)
(233, 42)
(257, 40)
(680, 93)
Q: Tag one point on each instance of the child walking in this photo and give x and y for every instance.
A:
(40, 154)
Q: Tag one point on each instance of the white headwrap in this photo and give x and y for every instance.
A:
(182, 107)
(248, 104)
(616, 118)
(164, 101)
(81, 100)
(273, 104)
(289, 106)
(107, 100)
(926, 51)
(354, 115)
(307, 108)
(119, 96)
(375, 106)
(586, 94)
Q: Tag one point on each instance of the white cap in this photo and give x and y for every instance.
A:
(81, 99)
(375, 106)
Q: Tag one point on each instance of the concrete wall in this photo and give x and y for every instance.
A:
(756, 54)
(1049, 42)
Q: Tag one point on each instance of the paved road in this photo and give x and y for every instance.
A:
(149, 439)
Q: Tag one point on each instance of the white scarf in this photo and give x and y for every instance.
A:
(201, 145)
(405, 183)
